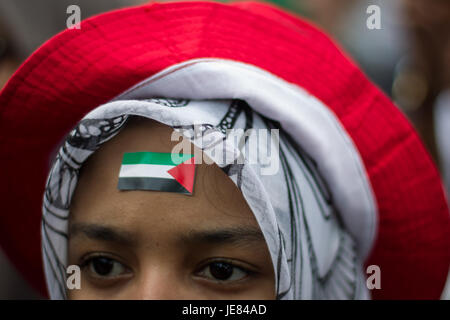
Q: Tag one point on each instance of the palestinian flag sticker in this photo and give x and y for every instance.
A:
(157, 171)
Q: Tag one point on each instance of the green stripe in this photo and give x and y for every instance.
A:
(156, 184)
(154, 158)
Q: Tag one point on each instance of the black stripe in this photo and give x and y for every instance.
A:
(52, 248)
(229, 119)
(315, 187)
(47, 224)
(312, 168)
(53, 213)
(295, 207)
(52, 268)
(60, 266)
(155, 184)
(308, 163)
(69, 156)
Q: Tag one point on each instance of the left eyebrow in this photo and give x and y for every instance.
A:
(242, 235)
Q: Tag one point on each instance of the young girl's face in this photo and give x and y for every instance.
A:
(160, 245)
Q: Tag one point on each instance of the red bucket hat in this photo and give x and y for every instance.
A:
(78, 70)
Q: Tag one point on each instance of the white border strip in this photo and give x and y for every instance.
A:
(145, 171)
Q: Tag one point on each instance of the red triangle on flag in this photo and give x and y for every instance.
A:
(184, 173)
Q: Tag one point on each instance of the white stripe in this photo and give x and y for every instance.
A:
(145, 170)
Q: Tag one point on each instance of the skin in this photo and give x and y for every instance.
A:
(161, 245)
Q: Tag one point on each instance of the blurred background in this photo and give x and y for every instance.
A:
(408, 58)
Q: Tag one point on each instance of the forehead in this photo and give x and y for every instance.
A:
(215, 201)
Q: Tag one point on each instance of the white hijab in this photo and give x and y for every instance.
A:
(318, 233)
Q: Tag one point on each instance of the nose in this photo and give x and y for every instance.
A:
(162, 283)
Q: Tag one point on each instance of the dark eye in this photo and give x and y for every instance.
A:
(223, 271)
(104, 267)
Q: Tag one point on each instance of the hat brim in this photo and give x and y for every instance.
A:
(78, 70)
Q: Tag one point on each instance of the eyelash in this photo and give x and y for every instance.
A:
(228, 262)
(87, 261)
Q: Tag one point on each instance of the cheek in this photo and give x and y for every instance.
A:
(263, 290)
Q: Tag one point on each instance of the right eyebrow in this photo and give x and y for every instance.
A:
(241, 236)
(102, 233)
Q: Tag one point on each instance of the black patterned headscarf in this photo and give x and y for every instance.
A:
(314, 257)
